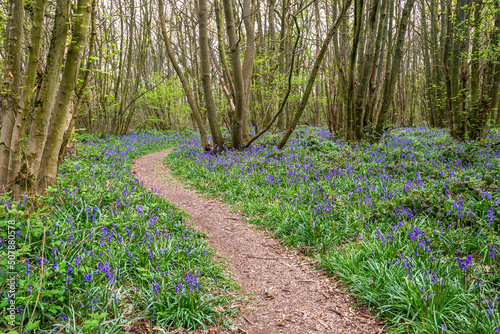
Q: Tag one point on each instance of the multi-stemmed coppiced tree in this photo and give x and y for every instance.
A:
(37, 168)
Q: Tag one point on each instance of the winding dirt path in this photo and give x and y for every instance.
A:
(286, 293)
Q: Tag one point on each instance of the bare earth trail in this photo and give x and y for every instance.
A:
(287, 294)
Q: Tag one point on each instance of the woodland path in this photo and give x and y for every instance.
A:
(286, 294)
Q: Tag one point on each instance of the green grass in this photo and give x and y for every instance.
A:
(114, 255)
(410, 224)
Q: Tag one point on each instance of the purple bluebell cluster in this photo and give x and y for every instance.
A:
(387, 218)
(108, 241)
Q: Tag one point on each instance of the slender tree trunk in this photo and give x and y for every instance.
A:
(182, 78)
(317, 108)
(12, 82)
(352, 130)
(437, 68)
(48, 168)
(446, 71)
(377, 54)
(312, 76)
(247, 69)
(390, 79)
(457, 111)
(206, 78)
(80, 94)
(281, 60)
(223, 84)
(239, 86)
(429, 89)
(495, 37)
(491, 82)
(45, 103)
(475, 72)
(18, 133)
(222, 51)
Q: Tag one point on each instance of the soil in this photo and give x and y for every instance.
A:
(286, 293)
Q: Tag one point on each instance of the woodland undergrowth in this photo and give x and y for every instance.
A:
(410, 224)
(105, 255)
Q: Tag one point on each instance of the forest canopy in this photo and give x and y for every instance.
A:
(357, 67)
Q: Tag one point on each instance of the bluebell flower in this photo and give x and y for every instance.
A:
(492, 252)
(491, 216)
(27, 269)
(465, 264)
(179, 286)
(87, 278)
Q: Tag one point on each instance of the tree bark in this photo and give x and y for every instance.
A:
(352, 130)
(239, 86)
(312, 76)
(247, 69)
(490, 84)
(282, 47)
(80, 94)
(317, 109)
(206, 78)
(45, 103)
(48, 168)
(182, 78)
(11, 84)
(18, 134)
(390, 79)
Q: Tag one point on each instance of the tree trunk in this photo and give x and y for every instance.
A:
(45, 102)
(312, 76)
(80, 95)
(12, 82)
(239, 86)
(352, 131)
(182, 78)
(48, 168)
(390, 79)
(490, 84)
(317, 109)
(281, 60)
(206, 78)
(247, 69)
(18, 134)
(456, 110)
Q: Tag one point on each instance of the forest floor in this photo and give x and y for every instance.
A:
(282, 291)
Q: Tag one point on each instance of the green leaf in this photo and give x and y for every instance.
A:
(90, 324)
(32, 325)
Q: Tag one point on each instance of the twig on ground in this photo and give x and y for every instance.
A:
(251, 323)
(59, 331)
(263, 258)
(335, 311)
